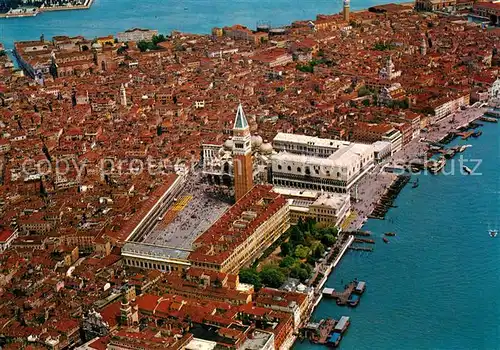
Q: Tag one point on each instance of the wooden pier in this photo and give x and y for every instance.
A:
(343, 297)
(322, 331)
(325, 329)
(465, 135)
(363, 249)
(364, 240)
(359, 233)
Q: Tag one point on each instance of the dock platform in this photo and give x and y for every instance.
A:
(327, 331)
(342, 297)
(349, 296)
(362, 249)
(364, 240)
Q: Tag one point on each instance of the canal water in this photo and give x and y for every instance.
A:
(436, 285)
(194, 16)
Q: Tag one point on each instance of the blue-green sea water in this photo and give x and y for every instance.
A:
(194, 16)
(436, 285)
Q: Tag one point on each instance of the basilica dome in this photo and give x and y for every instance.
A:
(266, 148)
(256, 141)
(228, 145)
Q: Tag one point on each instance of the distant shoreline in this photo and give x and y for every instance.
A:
(86, 6)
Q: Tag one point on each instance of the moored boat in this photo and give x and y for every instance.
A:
(390, 234)
(464, 147)
(334, 340)
(353, 300)
(488, 119)
(436, 166)
(493, 112)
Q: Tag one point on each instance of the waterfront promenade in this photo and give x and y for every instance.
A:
(373, 185)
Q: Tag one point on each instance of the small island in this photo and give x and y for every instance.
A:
(31, 8)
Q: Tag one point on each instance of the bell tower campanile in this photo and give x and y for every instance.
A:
(242, 155)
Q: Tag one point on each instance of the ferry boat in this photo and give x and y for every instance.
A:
(467, 169)
(493, 233)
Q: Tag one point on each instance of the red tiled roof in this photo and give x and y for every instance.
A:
(145, 207)
(225, 237)
(5, 234)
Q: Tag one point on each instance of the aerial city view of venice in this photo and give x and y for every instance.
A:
(209, 175)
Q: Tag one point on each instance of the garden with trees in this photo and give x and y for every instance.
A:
(300, 247)
(151, 45)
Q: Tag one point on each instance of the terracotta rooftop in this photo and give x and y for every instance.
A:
(217, 243)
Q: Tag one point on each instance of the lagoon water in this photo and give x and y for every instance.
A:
(436, 285)
(195, 16)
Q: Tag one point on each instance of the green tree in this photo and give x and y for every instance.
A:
(328, 239)
(300, 273)
(381, 46)
(363, 91)
(306, 267)
(121, 50)
(305, 68)
(288, 262)
(311, 224)
(301, 225)
(272, 277)
(250, 276)
(156, 39)
(302, 252)
(286, 249)
(318, 250)
(296, 235)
